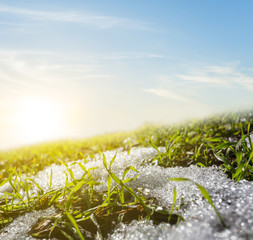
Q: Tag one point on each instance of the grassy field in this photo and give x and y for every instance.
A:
(82, 213)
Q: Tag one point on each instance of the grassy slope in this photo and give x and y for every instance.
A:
(220, 140)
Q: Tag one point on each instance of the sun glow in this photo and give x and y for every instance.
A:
(37, 119)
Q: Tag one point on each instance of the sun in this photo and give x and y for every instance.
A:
(37, 119)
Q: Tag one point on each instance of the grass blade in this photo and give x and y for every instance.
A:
(205, 195)
(73, 221)
(173, 204)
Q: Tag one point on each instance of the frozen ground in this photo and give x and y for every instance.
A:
(234, 200)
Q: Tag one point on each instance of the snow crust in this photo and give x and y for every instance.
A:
(234, 200)
(122, 161)
(19, 228)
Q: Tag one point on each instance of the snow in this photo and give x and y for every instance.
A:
(19, 228)
(234, 200)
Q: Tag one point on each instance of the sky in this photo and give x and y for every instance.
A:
(74, 69)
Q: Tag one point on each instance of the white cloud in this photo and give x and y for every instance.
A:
(206, 86)
(98, 21)
(165, 93)
(202, 78)
(220, 69)
(220, 76)
(38, 71)
(131, 56)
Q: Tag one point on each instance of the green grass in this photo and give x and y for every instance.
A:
(82, 212)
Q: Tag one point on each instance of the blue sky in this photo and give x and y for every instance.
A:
(90, 67)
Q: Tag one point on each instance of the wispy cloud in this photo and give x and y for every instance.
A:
(98, 21)
(220, 76)
(132, 55)
(41, 70)
(219, 69)
(197, 85)
(166, 94)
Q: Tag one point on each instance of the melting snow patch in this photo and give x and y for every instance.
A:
(19, 228)
(234, 200)
(122, 161)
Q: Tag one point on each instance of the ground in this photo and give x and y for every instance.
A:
(182, 181)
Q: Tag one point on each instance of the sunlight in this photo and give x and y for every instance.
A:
(37, 119)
